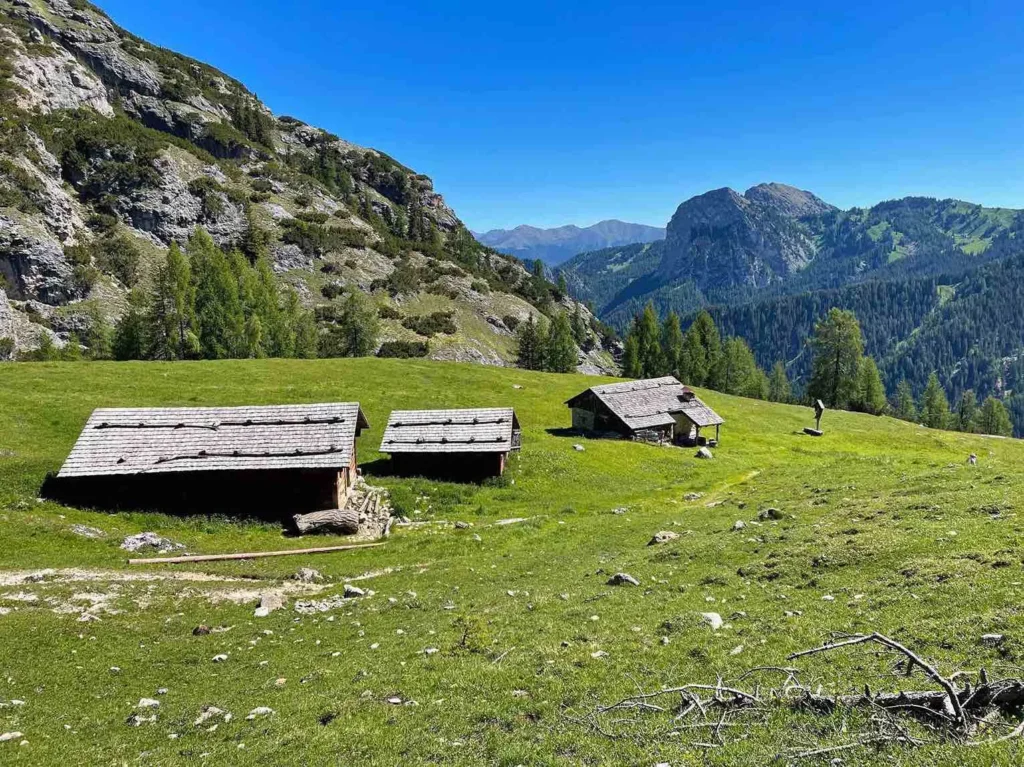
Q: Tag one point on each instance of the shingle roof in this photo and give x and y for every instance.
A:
(651, 402)
(119, 441)
(481, 430)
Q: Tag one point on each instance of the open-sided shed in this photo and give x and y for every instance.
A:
(269, 461)
(653, 409)
(469, 443)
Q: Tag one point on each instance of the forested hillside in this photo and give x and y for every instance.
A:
(934, 283)
(112, 149)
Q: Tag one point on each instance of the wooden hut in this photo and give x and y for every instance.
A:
(266, 461)
(469, 444)
(650, 410)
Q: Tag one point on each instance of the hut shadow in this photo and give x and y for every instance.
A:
(382, 467)
(435, 469)
(565, 431)
(264, 499)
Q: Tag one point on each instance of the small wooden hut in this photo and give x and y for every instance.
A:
(457, 444)
(650, 410)
(268, 461)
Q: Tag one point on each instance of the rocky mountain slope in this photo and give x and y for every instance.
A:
(112, 148)
(553, 246)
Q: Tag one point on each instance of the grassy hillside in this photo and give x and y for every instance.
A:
(886, 518)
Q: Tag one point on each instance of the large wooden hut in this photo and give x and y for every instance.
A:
(470, 444)
(266, 461)
(651, 410)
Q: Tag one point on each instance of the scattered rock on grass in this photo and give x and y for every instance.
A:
(260, 711)
(578, 448)
(147, 703)
(713, 619)
(200, 631)
(268, 603)
(307, 575)
(220, 658)
(769, 513)
(145, 541)
(460, 525)
(353, 591)
(992, 639)
(623, 579)
(663, 536)
(704, 453)
(4, 737)
(739, 525)
(212, 712)
(88, 532)
(693, 496)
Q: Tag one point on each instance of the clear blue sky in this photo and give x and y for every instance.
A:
(555, 113)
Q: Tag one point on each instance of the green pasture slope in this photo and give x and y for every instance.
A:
(886, 518)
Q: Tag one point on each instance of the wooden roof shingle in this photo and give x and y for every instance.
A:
(652, 402)
(476, 430)
(119, 441)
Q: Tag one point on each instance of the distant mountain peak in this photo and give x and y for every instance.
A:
(788, 200)
(561, 243)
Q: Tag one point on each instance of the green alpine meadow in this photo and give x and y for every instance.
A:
(487, 631)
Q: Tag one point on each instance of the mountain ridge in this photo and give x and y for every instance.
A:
(555, 245)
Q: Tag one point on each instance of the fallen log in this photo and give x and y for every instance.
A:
(247, 555)
(336, 521)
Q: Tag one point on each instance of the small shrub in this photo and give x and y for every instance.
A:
(351, 263)
(259, 197)
(6, 348)
(332, 290)
(262, 185)
(303, 200)
(388, 312)
(313, 217)
(511, 322)
(404, 349)
(480, 287)
(431, 324)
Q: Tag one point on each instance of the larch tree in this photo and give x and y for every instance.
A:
(649, 343)
(530, 343)
(838, 346)
(934, 405)
(905, 407)
(561, 350)
(967, 411)
(672, 344)
(994, 418)
(702, 351)
(779, 389)
(870, 390)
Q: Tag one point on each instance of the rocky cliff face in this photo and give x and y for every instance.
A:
(103, 135)
(723, 239)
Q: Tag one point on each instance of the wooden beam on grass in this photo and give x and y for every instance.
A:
(248, 555)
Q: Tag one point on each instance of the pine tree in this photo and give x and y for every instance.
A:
(702, 352)
(561, 350)
(631, 357)
(838, 347)
(994, 418)
(870, 389)
(530, 343)
(967, 412)
(300, 337)
(72, 350)
(737, 370)
(356, 332)
(130, 335)
(648, 337)
(934, 405)
(172, 310)
(672, 344)
(100, 337)
(563, 286)
(218, 308)
(779, 389)
(758, 386)
(905, 407)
